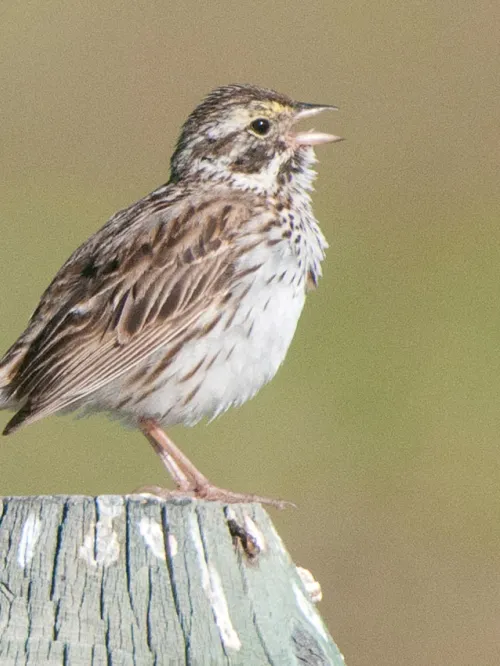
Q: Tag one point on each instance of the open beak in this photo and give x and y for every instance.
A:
(312, 138)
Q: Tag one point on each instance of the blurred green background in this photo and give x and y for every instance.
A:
(384, 423)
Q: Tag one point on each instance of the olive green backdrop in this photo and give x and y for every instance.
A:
(384, 423)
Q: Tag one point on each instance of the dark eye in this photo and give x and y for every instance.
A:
(260, 126)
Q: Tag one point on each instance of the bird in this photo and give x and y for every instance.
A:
(185, 303)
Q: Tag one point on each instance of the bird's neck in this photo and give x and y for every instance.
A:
(282, 177)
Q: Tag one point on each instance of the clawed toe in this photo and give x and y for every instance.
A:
(214, 494)
(211, 493)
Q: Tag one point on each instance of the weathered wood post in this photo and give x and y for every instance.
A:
(135, 581)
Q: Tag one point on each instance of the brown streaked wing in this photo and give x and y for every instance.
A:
(160, 283)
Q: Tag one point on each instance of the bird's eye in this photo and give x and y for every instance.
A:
(260, 126)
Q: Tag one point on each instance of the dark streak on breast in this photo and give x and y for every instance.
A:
(192, 372)
(191, 395)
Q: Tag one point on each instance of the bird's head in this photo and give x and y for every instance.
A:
(247, 136)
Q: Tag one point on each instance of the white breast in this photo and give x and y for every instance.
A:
(241, 353)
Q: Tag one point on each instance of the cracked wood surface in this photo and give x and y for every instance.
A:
(135, 581)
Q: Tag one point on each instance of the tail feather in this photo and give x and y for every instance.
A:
(9, 365)
(4, 397)
(15, 422)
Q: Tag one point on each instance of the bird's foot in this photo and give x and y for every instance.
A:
(211, 493)
(190, 482)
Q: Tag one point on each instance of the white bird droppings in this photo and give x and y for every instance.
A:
(255, 533)
(218, 601)
(172, 545)
(29, 536)
(212, 586)
(313, 588)
(152, 534)
(101, 546)
(309, 612)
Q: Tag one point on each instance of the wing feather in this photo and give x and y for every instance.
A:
(141, 284)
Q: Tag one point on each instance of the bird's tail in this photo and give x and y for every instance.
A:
(4, 396)
(5, 386)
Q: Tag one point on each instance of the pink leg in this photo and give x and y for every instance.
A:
(188, 479)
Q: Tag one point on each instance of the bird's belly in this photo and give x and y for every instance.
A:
(228, 365)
